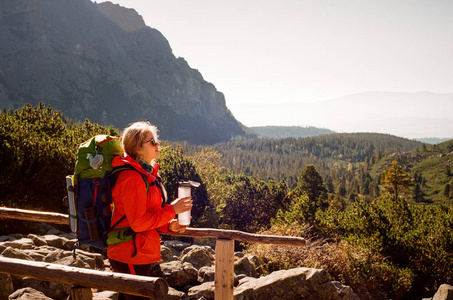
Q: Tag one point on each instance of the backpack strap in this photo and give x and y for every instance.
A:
(116, 224)
(126, 232)
(119, 169)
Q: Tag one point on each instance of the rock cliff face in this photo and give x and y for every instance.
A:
(101, 62)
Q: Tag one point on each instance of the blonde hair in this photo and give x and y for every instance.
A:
(134, 136)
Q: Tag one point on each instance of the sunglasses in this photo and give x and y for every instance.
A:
(152, 141)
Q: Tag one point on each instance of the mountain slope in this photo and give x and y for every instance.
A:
(101, 62)
(431, 168)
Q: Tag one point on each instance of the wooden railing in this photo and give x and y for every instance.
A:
(224, 258)
(80, 278)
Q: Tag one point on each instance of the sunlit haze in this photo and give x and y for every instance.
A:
(259, 52)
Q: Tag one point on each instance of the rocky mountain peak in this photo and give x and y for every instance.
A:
(101, 62)
(126, 19)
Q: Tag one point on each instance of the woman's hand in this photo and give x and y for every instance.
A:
(176, 227)
(181, 205)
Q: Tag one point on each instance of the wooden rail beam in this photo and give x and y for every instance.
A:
(31, 215)
(241, 236)
(56, 218)
(154, 287)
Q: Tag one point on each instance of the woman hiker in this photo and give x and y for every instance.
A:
(141, 206)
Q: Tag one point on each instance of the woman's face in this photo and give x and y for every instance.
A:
(150, 148)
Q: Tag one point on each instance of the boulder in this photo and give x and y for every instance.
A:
(244, 279)
(23, 243)
(155, 270)
(57, 254)
(105, 295)
(37, 240)
(205, 290)
(205, 248)
(77, 262)
(198, 257)
(445, 292)
(243, 266)
(95, 260)
(45, 250)
(35, 255)
(69, 244)
(53, 290)
(6, 285)
(174, 294)
(15, 253)
(53, 231)
(28, 293)
(55, 240)
(176, 246)
(298, 283)
(179, 274)
(167, 254)
(255, 261)
(15, 236)
(344, 292)
(4, 238)
(211, 242)
(206, 274)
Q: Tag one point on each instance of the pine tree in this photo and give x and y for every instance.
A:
(312, 184)
(329, 184)
(341, 189)
(417, 193)
(395, 181)
(447, 190)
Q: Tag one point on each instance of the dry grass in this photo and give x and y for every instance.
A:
(369, 274)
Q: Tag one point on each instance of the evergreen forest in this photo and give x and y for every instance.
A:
(375, 209)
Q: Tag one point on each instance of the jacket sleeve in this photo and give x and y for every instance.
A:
(133, 194)
(164, 228)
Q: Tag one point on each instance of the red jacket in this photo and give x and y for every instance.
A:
(144, 214)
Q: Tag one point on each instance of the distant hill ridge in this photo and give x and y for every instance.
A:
(281, 132)
(432, 140)
(101, 62)
(409, 115)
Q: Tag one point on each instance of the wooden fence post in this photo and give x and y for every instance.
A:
(81, 293)
(224, 269)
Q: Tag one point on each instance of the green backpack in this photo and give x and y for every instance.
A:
(90, 193)
(95, 156)
(89, 203)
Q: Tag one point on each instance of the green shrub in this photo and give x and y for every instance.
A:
(383, 249)
(250, 203)
(418, 238)
(38, 151)
(174, 167)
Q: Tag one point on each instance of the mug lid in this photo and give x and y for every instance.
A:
(189, 183)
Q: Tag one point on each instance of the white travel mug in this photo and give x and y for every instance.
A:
(184, 190)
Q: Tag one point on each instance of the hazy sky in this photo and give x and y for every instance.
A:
(258, 51)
